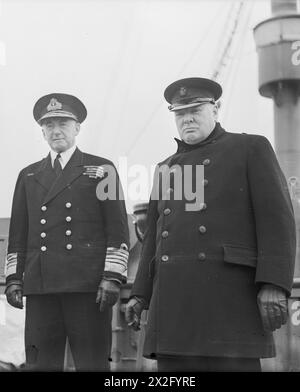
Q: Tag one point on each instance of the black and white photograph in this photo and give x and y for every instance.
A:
(150, 189)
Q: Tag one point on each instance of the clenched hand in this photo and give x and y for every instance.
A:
(108, 294)
(273, 306)
(14, 295)
(133, 312)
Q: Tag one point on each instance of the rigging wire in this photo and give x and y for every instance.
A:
(226, 74)
(231, 83)
(159, 105)
(222, 60)
(222, 37)
(199, 44)
(114, 70)
(137, 46)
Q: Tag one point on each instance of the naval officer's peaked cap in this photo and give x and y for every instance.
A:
(59, 105)
(189, 92)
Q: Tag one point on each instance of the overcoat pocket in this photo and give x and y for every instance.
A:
(236, 254)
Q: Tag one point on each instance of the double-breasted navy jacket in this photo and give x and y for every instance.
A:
(60, 231)
(200, 271)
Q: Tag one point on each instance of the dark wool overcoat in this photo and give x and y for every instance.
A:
(200, 271)
(59, 228)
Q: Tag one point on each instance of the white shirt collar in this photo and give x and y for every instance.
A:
(64, 156)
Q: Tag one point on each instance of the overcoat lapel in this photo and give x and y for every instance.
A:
(73, 169)
(45, 174)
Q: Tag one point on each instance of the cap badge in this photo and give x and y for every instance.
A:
(182, 91)
(54, 105)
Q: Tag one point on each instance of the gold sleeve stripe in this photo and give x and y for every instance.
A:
(116, 260)
(11, 264)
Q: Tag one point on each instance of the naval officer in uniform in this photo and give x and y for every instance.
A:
(68, 247)
(215, 279)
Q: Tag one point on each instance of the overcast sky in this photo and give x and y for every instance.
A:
(118, 57)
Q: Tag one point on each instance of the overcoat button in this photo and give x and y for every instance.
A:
(69, 246)
(43, 235)
(164, 258)
(203, 206)
(68, 205)
(43, 221)
(68, 219)
(68, 232)
(167, 211)
(202, 229)
(206, 162)
(165, 234)
(43, 248)
(204, 182)
(202, 256)
(43, 208)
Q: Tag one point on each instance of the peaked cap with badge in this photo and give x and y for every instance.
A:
(59, 105)
(190, 92)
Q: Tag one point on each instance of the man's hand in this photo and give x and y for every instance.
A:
(133, 312)
(14, 295)
(108, 294)
(273, 306)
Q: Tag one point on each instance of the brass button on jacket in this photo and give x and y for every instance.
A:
(43, 221)
(43, 235)
(43, 208)
(68, 205)
(165, 234)
(164, 258)
(43, 248)
(206, 162)
(69, 246)
(202, 256)
(68, 219)
(202, 229)
(167, 211)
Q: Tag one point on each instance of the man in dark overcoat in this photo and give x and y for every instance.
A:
(68, 245)
(215, 279)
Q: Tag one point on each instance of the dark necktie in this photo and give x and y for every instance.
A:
(57, 166)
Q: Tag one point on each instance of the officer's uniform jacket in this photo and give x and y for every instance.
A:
(62, 238)
(200, 271)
